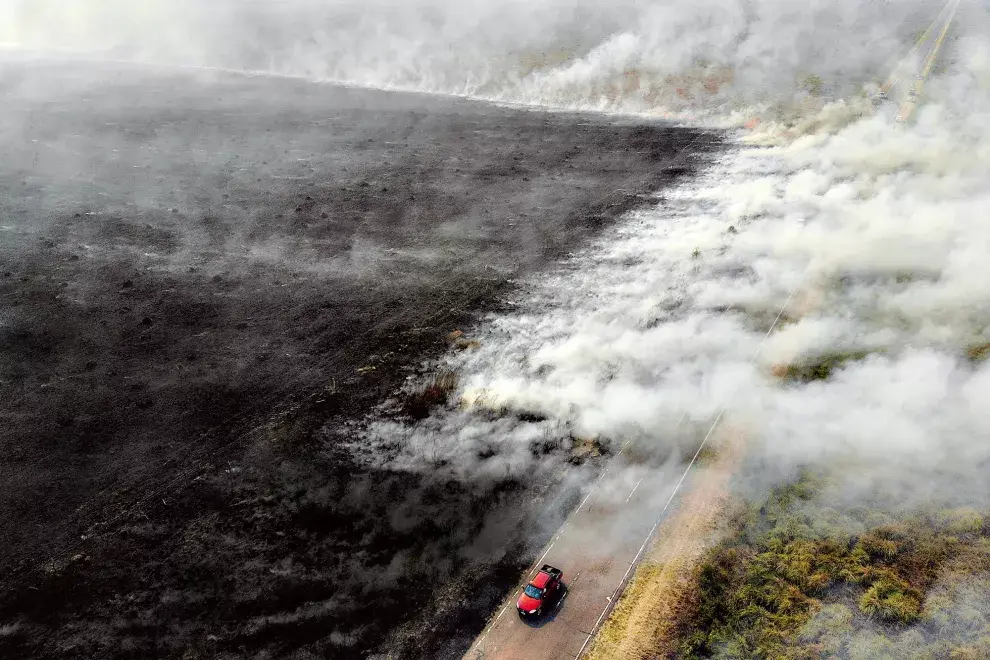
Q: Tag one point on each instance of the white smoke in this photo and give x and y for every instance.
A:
(879, 232)
(872, 239)
(705, 58)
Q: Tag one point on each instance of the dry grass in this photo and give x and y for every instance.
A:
(543, 60)
(820, 368)
(663, 591)
(978, 353)
(891, 600)
(779, 588)
(435, 392)
(460, 342)
(694, 86)
(585, 448)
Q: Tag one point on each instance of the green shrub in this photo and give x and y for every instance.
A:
(891, 600)
(761, 592)
(784, 497)
(878, 548)
(813, 84)
(978, 353)
(893, 532)
(822, 367)
(961, 521)
(922, 563)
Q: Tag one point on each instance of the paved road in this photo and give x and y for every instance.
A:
(596, 549)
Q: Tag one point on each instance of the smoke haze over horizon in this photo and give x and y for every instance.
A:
(879, 232)
(869, 240)
(707, 59)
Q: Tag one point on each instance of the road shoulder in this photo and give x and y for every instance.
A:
(644, 622)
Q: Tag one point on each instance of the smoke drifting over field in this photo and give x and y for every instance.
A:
(880, 233)
(630, 55)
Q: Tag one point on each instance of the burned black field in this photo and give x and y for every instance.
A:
(196, 272)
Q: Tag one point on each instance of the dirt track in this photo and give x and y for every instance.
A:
(186, 255)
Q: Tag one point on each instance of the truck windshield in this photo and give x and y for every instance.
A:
(533, 592)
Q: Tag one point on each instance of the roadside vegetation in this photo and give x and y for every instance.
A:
(800, 579)
(662, 595)
(978, 353)
(820, 368)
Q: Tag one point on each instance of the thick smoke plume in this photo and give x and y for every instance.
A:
(869, 240)
(879, 233)
(630, 55)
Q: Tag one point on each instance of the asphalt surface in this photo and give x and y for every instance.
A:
(597, 548)
(197, 270)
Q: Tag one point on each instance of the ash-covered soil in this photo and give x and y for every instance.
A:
(196, 271)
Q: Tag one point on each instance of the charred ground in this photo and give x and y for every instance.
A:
(194, 267)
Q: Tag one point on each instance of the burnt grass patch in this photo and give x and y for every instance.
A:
(198, 270)
(425, 397)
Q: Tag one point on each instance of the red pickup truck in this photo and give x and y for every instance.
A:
(543, 590)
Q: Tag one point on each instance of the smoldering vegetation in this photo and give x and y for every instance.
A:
(208, 280)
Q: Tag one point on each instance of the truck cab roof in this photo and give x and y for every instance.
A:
(547, 573)
(541, 579)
